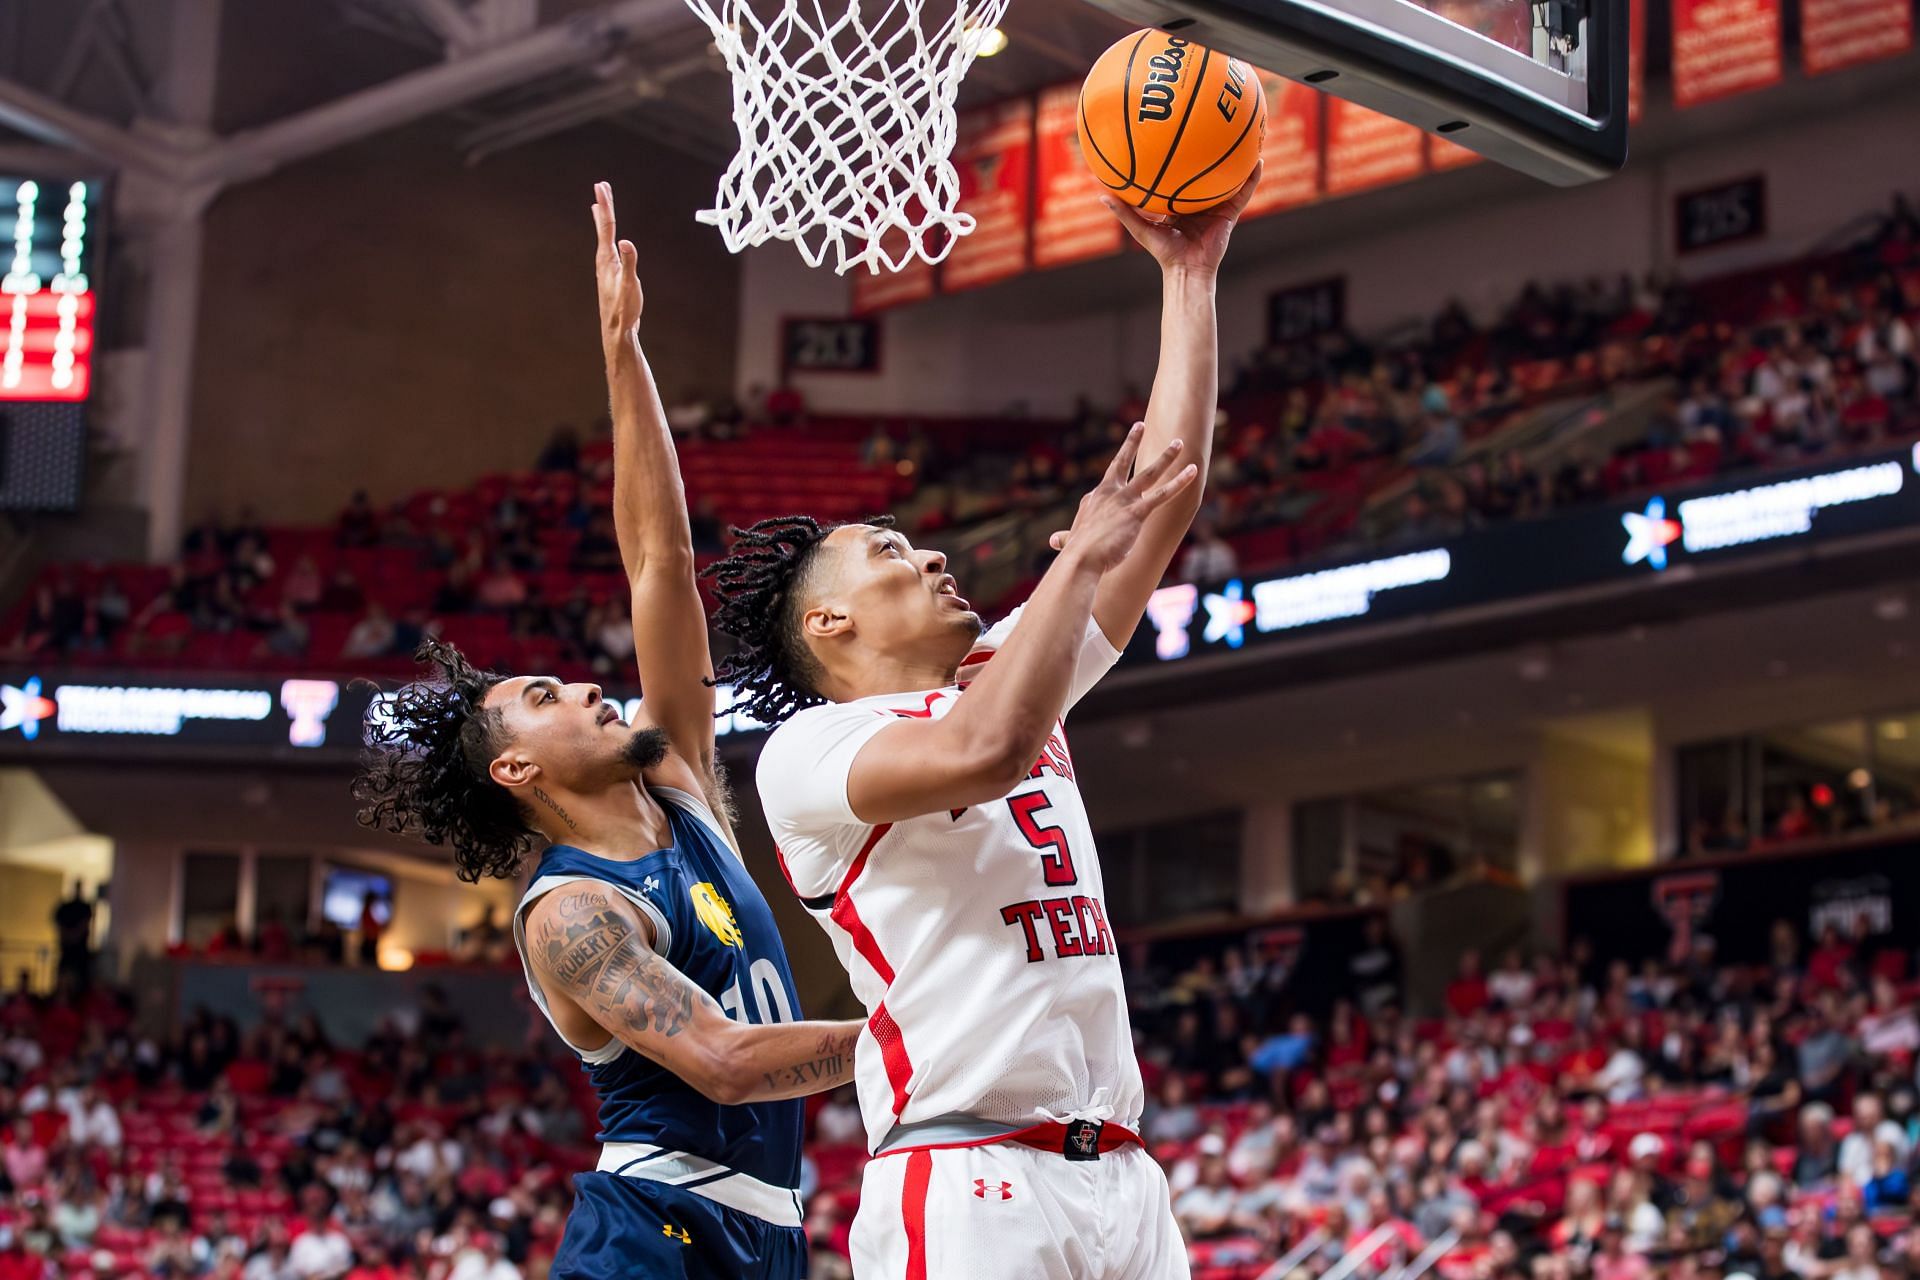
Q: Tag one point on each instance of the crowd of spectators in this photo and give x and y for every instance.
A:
(275, 1155)
(1564, 1117)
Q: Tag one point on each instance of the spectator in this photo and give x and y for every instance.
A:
(302, 587)
(371, 637)
(502, 588)
(562, 451)
(1871, 1129)
(1467, 993)
(1205, 1210)
(1209, 558)
(321, 1251)
(359, 524)
(92, 1121)
(73, 928)
(17, 1262)
(289, 637)
(482, 1260)
(25, 1158)
(343, 593)
(1818, 1159)
(709, 533)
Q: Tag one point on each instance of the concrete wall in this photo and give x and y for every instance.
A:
(383, 317)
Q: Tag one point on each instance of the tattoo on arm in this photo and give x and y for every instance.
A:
(593, 950)
(554, 805)
(832, 1060)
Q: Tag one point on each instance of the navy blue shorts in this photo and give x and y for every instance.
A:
(632, 1227)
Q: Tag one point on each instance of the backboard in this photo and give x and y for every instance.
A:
(1538, 85)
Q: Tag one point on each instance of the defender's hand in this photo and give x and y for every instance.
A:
(1108, 522)
(1187, 241)
(615, 266)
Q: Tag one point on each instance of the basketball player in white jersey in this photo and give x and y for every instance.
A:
(923, 801)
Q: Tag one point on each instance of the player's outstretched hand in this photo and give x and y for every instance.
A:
(1108, 522)
(1187, 241)
(615, 267)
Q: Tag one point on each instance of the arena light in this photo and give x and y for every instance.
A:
(986, 41)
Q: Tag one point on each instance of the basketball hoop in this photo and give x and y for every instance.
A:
(846, 125)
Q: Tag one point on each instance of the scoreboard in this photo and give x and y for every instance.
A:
(47, 241)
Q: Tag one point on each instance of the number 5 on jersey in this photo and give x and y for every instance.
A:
(1056, 859)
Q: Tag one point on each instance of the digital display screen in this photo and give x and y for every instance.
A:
(1615, 542)
(345, 894)
(46, 291)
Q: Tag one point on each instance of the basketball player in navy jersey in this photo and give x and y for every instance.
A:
(645, 942)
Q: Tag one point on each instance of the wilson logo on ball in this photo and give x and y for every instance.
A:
(1163, 72)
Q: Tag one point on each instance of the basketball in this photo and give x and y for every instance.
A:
(1169, 126)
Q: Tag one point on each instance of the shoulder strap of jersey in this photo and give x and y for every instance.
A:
(696, 808)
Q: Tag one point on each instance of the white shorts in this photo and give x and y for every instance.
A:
(1005, 1210)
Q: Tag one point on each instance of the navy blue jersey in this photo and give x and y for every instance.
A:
(711, 924)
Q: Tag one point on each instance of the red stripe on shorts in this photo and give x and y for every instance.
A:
(913, 1212)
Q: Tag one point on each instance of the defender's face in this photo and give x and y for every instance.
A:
(900, 598)
(569, 730)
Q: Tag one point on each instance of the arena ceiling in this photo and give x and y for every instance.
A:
(94, 74)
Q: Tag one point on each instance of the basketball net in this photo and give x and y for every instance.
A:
(846, 126)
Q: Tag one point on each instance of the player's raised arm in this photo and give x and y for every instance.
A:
(1186, 389)
(588, 945)
(650, 514)
(981, 749)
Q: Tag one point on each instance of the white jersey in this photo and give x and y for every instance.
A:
(977, 939)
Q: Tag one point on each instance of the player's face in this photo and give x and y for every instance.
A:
(900, 599)
(572, 733)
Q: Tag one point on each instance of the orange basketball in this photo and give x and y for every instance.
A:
(1169, 126)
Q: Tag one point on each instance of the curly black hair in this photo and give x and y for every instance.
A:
(425, 770)
(761, 588)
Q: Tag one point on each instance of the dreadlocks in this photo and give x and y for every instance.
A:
(425, 772)
(761, 585)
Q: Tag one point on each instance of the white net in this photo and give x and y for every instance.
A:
(846, 122)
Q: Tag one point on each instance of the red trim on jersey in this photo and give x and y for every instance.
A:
(1043, 1137)
(886, 1032)
(925, 713)
(893, 1054)
(981, 656)
(847, 916)
(913, 1212)
(785, 874)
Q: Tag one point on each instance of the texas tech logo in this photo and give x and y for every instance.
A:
(984, 1190)
(1685, 901)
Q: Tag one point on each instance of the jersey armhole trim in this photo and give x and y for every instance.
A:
(694, 805)
(540, 888)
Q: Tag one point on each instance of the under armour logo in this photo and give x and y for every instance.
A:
(984, 1190)
(650, 885)
(672, 1232)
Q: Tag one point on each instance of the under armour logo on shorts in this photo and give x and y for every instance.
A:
(984, 1190)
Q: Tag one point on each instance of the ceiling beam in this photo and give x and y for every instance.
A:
(450, 22)
(584, 38)
(48, 120)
